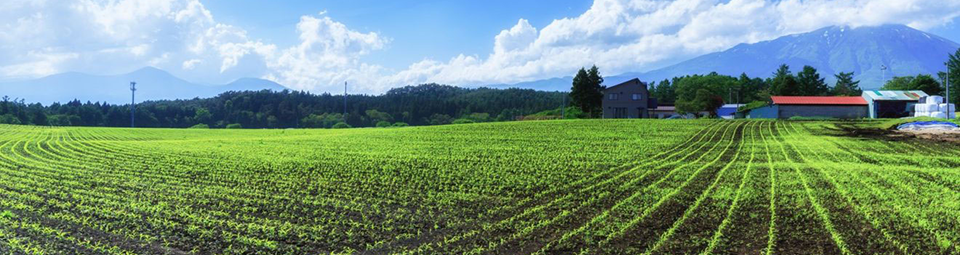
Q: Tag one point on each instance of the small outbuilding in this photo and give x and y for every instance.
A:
(892, 103)
(670, 112)
(629, 99)
(664, 111)
(784, 107)
(728, 111)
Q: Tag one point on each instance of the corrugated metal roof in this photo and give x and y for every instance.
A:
(817, 100)
(894, 95)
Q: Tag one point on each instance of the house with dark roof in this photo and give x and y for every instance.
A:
(629, 99)
(784, 107)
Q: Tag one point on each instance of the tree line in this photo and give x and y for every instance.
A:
(428, 104)
(434, 104)
(707, 93)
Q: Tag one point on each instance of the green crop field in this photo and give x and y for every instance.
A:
(571, 187)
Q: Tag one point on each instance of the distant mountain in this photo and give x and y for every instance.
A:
(862, 50)
(553, 84)
(152, 84)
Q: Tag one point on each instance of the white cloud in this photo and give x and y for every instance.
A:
(190, 64)
(112, 36)
(641, 35)
(41, 62)
(328, 54)
(518, 37)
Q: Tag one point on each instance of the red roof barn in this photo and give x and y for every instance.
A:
(785, 107)
(817, 100)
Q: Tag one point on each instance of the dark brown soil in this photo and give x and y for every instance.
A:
(898, 135)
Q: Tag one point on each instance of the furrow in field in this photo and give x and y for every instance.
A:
(903, 236)
(802, 227)
(602, 226)
(597, 193)
(747, 226)
(501, 213)
(856, 230)
(575, 237)
(660, 208)
(890, 198)
(701, 225)
(118, 208)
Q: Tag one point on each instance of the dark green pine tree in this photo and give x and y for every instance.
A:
(846, 86)
(665, 92)
(587, 93)
(784, 83)
(810, 82)
(953, 64)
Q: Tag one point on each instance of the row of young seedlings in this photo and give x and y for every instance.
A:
(551, 220)
(918, 202)
(537, 209)
(118, 205)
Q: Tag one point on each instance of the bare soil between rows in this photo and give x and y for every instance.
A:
(900, 135)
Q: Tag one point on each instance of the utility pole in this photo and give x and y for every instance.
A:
(133, 93)
(344, 101)
(563, 107)
(949, 112)
(883, 78)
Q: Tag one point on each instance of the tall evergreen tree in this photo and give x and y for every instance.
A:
(846, 86)
(665, 93)
(953, 64)
(784, 83)
(751, 89)
(810, 82)
(587, 93)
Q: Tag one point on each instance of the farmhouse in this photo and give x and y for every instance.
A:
(784, 107)
(629, 99)
(892, 103)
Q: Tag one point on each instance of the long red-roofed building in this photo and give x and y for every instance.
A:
(784, 107)
(817, 100)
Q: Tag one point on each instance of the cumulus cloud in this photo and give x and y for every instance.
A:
(99, 37)
(641, 35)
(181, 36)
(328, 54)
(39, 38)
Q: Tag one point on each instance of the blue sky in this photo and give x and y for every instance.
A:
(418, 29)
(377, 45)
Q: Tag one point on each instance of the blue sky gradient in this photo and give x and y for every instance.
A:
(316, 45)
(434, 29)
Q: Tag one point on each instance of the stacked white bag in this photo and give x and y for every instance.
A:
(934, 107)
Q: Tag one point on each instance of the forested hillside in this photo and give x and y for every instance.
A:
(429, 104)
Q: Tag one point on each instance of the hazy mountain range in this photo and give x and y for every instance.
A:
(904, 50)
(152, 84)
(863, 50)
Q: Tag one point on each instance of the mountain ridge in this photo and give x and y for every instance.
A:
(831, 50)
(862, 50)
(114, 89)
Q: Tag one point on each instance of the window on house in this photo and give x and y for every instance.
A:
(636, 97)
(613, 96)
